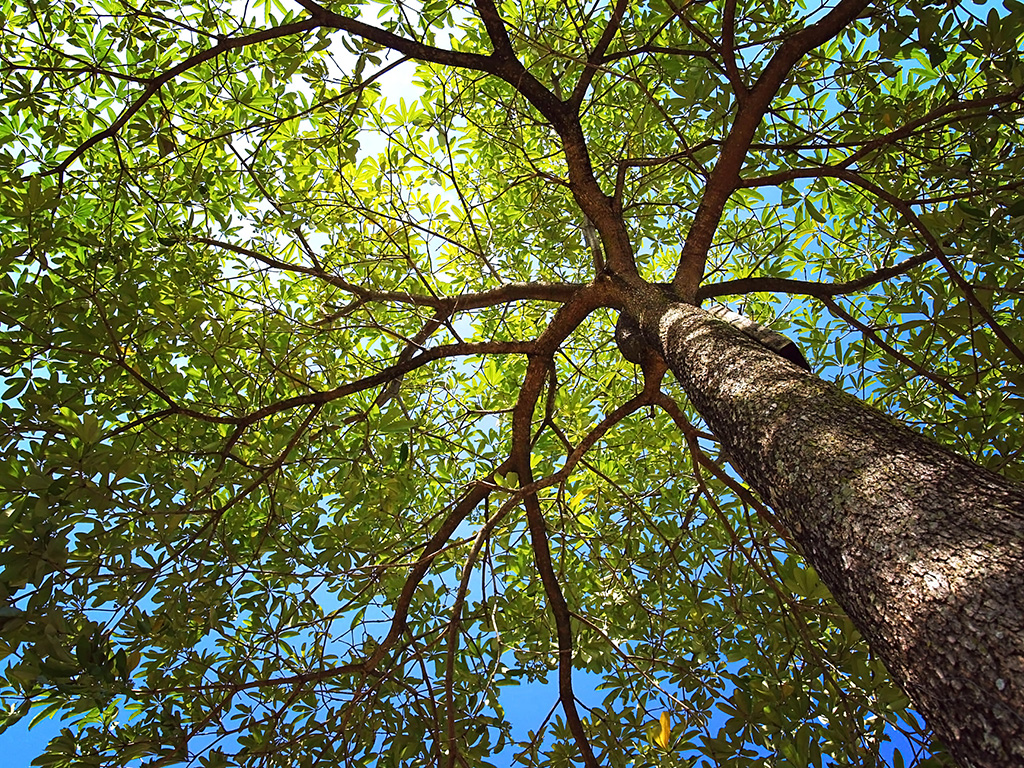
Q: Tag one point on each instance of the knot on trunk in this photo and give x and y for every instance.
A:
(630, 340)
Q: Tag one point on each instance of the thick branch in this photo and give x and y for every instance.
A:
(725, 177)
(496, 30)
(412, 48)
(729, 52)
(502, 62)
(566, 320)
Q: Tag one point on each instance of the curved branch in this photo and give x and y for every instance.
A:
(566, 320)
(156, 83)
(501, 63)
(691, 435)
(456, 620)
(412, 48)
(327, 396)
(908, 128)
(480, 490)
(725, 177)
(809, 287)
(732, 71)
(554, 292)
(563, 623)
(668, 51)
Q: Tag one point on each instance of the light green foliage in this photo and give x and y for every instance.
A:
(208, 531)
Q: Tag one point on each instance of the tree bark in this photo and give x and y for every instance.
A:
(922, 548)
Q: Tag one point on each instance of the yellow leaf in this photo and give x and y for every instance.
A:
(665, 732)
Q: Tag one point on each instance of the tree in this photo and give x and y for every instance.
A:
(320, 436)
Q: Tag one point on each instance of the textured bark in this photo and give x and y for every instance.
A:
(922, 548)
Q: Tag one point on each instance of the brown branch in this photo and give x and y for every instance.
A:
(554, 292)
(456, 620)
(496, 30)
(908, 128)
(415, 343)
(691, 434)
(480, 490)
(273, 466)
(808, 287)
(437, 353)
(563, 621)
(596, 56)
(869, 333)
(155, 415)
(158, 82)
(575, 455)
(565, 321)
(501, 63)
(412, 48)
(725, 176)
(729, 52)
(505, 66)
(668, 51)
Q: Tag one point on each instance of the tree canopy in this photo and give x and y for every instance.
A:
(318, 440)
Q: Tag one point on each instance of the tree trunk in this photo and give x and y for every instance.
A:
(923, 549)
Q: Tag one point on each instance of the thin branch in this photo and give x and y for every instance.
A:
(554, 292)
(480, 490)
(869, 333)
(818, 290)
(597, 55)
(907, 129)
(456, 620)
(666, 50)
(326, 396)
(691, 435)
(155, 84)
